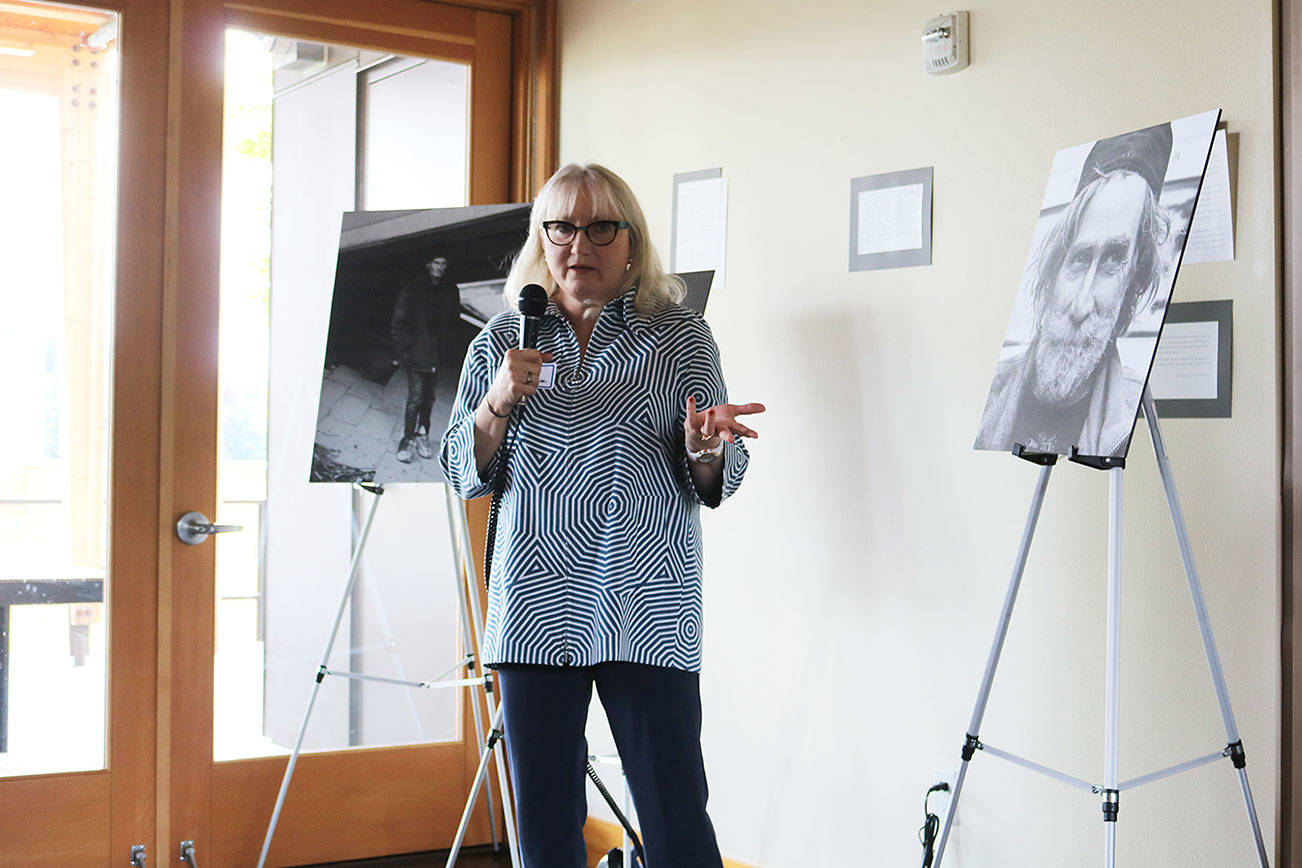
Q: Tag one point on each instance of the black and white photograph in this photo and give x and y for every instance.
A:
(412, 288)
(1089, 311)
(698, 285)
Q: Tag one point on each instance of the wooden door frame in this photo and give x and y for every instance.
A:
(534, 107)
(1289, 225)
(186, 779)
(137, 412)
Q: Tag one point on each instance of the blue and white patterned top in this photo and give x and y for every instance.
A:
(598, 550)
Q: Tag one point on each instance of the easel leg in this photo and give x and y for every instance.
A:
(490, 746)
(971, 744)
(508, 814)
(1112, 720)
(463, 573)
(1235, 746)
(493, 706)
(325, 660)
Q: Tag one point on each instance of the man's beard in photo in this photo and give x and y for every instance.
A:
(1066, 357)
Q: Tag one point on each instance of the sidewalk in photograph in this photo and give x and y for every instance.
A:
(359, 427)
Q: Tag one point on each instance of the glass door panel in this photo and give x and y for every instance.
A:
(242, 397)
(59, 101)
(295, 159)
(415, 134)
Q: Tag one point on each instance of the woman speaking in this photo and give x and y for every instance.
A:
(623, 431)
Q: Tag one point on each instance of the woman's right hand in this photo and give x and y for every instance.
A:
(516, 380)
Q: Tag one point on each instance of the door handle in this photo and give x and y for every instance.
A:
(194, 527)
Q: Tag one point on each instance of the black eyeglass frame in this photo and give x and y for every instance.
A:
(586, 230)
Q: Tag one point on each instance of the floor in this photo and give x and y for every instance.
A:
(471, 857)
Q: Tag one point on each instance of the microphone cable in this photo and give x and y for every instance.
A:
(499, 488)
(623, 821)
(930, 826)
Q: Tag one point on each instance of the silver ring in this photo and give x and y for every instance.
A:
(528, 379)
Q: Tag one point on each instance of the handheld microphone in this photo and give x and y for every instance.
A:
(533, 304)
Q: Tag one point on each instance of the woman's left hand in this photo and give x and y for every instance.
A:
(702, 428)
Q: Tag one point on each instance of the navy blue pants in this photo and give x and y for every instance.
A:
(655, 716)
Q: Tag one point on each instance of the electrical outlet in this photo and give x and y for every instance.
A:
(939, 802)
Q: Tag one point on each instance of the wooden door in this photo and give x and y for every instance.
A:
(344, 803)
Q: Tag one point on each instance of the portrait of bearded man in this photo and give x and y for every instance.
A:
(1097, 267)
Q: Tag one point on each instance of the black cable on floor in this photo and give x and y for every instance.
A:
(930, 826)
(623, 821)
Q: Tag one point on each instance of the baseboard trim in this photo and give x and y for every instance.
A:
(601, 836)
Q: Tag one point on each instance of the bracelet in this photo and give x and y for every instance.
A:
(489, 405)
(708, 454)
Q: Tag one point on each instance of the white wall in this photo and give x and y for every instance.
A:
(852, 585)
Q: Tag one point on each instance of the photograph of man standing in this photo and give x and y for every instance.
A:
(1098, 267)
(413, 329)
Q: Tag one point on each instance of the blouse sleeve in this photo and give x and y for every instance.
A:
(457, 450)
(701, 375)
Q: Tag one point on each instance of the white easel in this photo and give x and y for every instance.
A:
(464, 574)
(1112, 787)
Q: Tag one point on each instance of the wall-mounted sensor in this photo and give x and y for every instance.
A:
(944, 43)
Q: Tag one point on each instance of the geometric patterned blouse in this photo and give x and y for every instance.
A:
(598, 549)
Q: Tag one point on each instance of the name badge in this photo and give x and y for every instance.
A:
(547, 376)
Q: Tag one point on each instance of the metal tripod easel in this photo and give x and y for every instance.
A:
(468, 600)
(1112, 786)
(470, 590)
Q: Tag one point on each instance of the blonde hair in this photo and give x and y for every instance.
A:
(612, 199)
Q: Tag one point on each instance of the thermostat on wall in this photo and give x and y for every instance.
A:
(944, 43)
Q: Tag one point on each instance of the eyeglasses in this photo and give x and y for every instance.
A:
(599, 232)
